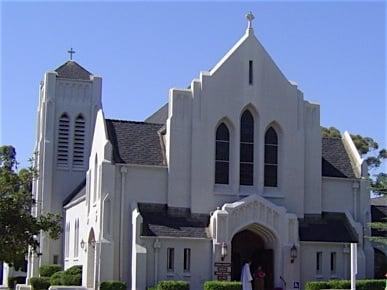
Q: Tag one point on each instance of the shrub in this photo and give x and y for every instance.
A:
(317, 285)
(49, 270)
(72, 276)
(40, 283)
(371, 284)
(12, 281)
(172, 285)
(345, 284)
(56, 279)
(113, 285)
(222, 285)
(74, 270)
(340, 284)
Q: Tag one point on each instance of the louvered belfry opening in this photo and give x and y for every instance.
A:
(63, 141)
(79, 142)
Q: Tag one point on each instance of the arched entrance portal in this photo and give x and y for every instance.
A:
(90, 259)
(248, 245)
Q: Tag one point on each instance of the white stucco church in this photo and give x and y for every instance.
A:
(232, 168)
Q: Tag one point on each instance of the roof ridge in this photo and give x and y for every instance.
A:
(133, 122)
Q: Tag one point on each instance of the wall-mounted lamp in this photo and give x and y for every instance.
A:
(223, 251)
(82, 244)
(293, 253)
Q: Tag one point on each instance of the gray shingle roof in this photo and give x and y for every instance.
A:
(136, 142)
(78, 192)
(161, 221)
(379, 214)
(335, 159)
(72, 70)
(327, 227)
(160, 116)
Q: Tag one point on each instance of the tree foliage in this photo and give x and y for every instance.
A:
(18, 227)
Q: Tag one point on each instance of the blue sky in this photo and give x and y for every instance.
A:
(335, 51)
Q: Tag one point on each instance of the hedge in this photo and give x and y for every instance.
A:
(12, 281)
(40, 283)
(74, 270)
(222, 285)
(49, 270)
(56, 279)
(172, 285)
(346, 284)
(72, 276)
(112, 285)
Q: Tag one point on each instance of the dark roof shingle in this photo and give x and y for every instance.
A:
(161, 221)
(379, 214)
(327, 227)
(78, 192)
(72, 70)
(136, 142)
(335, 159)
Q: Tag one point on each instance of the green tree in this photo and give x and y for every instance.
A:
(18, 227)
(369, 149)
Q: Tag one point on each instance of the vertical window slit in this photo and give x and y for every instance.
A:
(250, 72)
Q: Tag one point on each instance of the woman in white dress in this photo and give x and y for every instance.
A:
(246, 277)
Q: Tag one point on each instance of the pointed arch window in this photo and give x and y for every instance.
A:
(62, 157)
(271, 158)
(79, 142)
(222, 154)
(246, 170)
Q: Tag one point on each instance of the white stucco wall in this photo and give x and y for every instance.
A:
(308, 252)
(76, 211)
(201, 261)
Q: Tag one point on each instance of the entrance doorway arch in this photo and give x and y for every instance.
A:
(251, 245)
(90, 260)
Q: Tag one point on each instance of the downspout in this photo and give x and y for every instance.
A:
(124, 170)
(156, 246)
(355, 187)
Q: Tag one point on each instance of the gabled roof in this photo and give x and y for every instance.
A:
(136, 142)
(72, 70)
(77, 193)
(161, 221)
(335, 159)
(327, 227)
(160, 116)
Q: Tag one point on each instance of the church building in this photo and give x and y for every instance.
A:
(231, 169)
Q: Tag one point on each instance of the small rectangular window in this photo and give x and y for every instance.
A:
(319, 263)
(250, 72)
(170, 259)
(187, 260)
(333, 262)
(55, 260)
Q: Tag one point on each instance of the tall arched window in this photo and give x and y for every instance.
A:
(246, 170)
(95, 179)
(76, 238)
(79, 142)
(271, 158)
(62, 157)
(222, 155)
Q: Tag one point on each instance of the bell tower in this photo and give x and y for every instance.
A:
(69, 98)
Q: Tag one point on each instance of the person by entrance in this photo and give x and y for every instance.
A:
(246, 277)
(259, 279)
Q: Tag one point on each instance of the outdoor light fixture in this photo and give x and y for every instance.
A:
(293, 253)
(82, 244)
(223, 252)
